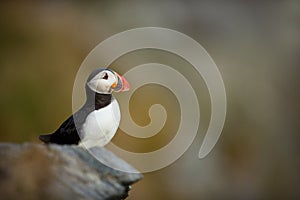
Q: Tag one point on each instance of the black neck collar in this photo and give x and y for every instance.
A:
(97, 99)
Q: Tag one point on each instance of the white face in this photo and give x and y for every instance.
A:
(102, 82)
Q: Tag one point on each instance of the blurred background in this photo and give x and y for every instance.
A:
(255, 44)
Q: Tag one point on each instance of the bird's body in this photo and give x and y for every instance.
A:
(97, 121)
(105, 121)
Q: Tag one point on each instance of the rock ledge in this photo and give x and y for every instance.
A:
(35, 171)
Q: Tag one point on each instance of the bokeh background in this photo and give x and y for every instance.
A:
(255, 44)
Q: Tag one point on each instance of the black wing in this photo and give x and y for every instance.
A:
(65, 134)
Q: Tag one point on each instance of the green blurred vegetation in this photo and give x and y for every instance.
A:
(255, 44)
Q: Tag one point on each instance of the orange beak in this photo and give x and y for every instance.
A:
(122, 84)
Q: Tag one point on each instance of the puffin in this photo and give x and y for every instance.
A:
(97, 121)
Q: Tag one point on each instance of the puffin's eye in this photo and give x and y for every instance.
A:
(105, 76)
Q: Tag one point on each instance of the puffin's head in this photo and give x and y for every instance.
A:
(105, 81)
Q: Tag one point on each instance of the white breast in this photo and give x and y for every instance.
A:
(101, 125)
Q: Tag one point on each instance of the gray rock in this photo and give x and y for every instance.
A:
(34, 171)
